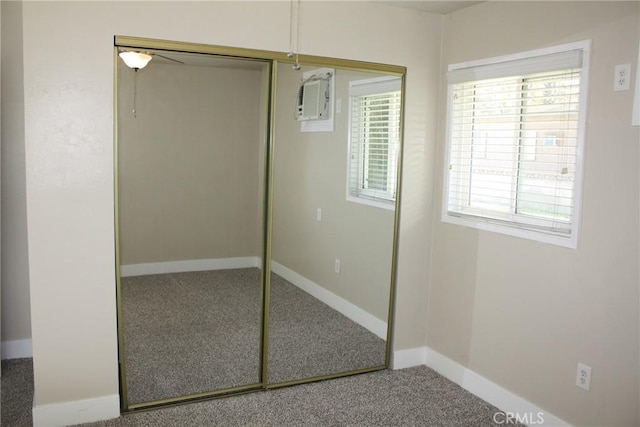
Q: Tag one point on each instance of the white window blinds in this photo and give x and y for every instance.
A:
(515, 143)
(374, 139)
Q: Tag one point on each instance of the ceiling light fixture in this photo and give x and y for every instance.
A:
(135, 60)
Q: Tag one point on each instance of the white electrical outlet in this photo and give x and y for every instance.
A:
(336, 266)
(622, 77)
(319, 214)
(583, 377)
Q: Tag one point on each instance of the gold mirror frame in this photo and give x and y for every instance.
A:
(274, 58)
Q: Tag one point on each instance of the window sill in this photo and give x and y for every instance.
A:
(557, 240)
(388, 205)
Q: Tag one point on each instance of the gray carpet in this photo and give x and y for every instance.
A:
(17, 393)
(194, 332)
(409, 397)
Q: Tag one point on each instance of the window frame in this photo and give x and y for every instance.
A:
(371, 87)
(505, 226)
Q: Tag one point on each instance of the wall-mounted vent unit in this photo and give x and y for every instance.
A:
(313, 99)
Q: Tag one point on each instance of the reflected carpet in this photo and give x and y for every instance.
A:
(194, 332)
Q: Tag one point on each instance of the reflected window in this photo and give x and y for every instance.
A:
(374, 140)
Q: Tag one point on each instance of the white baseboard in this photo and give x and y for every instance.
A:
(408, 358)
(76, 412)
(17, 349)
(339, 304)
(475, 383)
(188, 265)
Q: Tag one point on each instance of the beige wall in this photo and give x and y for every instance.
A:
(189, 162)
(16, 313)
(68, 82)
(310, 172)
(521, 313)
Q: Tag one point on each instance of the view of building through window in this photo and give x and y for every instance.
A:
(522, 136)
(514, 145)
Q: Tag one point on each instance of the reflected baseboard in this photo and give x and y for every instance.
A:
(341, 305)
(189, 265)
(17, 349)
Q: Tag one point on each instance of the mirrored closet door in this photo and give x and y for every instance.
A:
(256, 218)
(333, 203)
(191, 140)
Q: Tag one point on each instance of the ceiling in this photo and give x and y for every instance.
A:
(439, 7)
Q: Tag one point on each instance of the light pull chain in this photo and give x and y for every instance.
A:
(135, 91)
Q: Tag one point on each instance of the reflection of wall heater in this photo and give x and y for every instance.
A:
(313, 100)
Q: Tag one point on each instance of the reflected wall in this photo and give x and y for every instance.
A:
(189, 162)
(338, 251)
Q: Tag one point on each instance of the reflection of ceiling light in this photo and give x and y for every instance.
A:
(135, 60)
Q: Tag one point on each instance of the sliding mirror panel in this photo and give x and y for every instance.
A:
(336, 151)
(191, 141)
